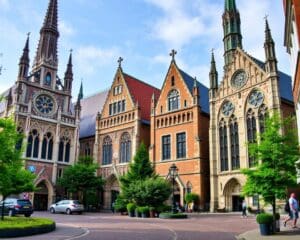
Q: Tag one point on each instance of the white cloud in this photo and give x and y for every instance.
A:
(89, 58)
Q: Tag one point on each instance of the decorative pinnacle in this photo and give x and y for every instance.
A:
(172, 54)
(195, 81)
(120, 60)
(266, 17)
(28, 34)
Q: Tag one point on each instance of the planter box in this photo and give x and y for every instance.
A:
(131, 214)
(265, 229)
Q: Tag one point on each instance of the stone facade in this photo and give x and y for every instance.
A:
(41, 106)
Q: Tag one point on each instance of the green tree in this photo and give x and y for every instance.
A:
(14, 179)
(275, 152)
(141, 185)
(81, 178)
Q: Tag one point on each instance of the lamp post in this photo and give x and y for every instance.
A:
(173, 172)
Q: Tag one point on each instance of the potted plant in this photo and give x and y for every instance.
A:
(144, 211)
(131, 209)
(138, 212)
(265, 221)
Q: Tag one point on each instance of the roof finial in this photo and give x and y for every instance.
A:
(120, 60)
(172, 54)
(28, 34)
(266, 17)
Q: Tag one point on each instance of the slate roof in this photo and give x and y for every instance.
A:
(203, 91)
(285, 81)
(141, 92)
(90, 107)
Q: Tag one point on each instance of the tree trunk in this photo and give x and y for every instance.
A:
(274, 213)
(2, 212)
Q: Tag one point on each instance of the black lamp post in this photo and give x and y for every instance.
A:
(173, 172)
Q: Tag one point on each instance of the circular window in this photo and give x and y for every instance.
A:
(239, 78)
(44, 104)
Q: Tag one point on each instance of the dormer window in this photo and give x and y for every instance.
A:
(48, 79)
(173, 100)
(117, 90)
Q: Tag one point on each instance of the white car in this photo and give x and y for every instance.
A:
(67, 206)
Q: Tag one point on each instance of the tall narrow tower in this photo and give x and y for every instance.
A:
(232, 30)
(46, 60)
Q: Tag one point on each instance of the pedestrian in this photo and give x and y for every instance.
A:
(244, 209)
(294, 208)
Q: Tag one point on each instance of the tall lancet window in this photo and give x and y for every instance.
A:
(125, 148)
(33, 143)
(48, 79)
(223, 145)
(234, 143)
(107, 151)
(251, 133)
(173, 100)
(262, 116)
(47, 146)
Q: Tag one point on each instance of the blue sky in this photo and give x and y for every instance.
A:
(141, 31)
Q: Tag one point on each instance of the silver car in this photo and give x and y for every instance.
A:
(67, 206)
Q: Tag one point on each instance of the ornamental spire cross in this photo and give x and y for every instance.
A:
(266, 17)
(172, 54)
(120, 60)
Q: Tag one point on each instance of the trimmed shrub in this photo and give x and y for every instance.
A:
(144, 210)
(264, 218)
(191, 197)
(120, 204)
(131, 207)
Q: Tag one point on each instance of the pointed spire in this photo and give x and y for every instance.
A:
(213, 74)
(50, 20)
(80, 94)
(25, 56)
(268, 35)
(230, 5)
(69, 70)
(269, 45)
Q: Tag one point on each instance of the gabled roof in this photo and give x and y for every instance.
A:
(285, 81)
(90, 107)
(141, 92)
(203, 91)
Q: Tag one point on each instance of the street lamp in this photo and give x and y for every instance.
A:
(173, 172)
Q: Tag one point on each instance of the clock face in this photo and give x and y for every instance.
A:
(239, 79)
(227, 108)
(256, 98)
(44, 104)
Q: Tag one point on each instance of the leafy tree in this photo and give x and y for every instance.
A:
(80, 178)
(14, 179)
(275, 151)
(141, 185)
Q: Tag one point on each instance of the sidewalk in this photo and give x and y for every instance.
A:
(286, 233)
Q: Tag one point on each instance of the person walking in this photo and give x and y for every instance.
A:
(244, 209)
(294, 208)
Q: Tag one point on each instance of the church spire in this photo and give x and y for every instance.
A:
(232, 30)
(69, 75)
(269, 45)
(80, 94)
(24, 60)
(213, 74)
(47, 47)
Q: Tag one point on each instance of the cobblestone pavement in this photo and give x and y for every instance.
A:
(106, 226)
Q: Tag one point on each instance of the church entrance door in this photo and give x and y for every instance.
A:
(40, 202)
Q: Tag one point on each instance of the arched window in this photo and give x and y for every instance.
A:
(223, 146)
(234, 143)
(173, 100)
(47, 146)
(251, 133)
(107, 151)
(262, 115)
(33, 144)
(64, 149)
(125, 148)
(189, 187)
(48, 79)
(87, 150)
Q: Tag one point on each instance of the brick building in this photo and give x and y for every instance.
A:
(238, 106)
(179, 133)
(292, 44)
(123, 124)
(41, 105)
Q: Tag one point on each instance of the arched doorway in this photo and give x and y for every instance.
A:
(111, 191)
(40, 202)
(232, 194)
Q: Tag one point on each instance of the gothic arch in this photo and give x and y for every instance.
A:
(43, 197)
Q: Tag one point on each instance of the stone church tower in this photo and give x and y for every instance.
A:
(250, 88)
(41, 105)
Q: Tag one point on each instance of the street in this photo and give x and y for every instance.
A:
(107, 226)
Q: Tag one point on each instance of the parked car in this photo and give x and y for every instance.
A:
(14, 206)
(67, 206)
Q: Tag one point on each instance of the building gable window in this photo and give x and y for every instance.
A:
(166, 147)
(107, 151)
(173, 100)
(234, 144)
(223, 146)
(125, 148)
(181, 145)
(251, 133)
(117, 107)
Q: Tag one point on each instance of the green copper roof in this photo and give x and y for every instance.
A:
(230, 5)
